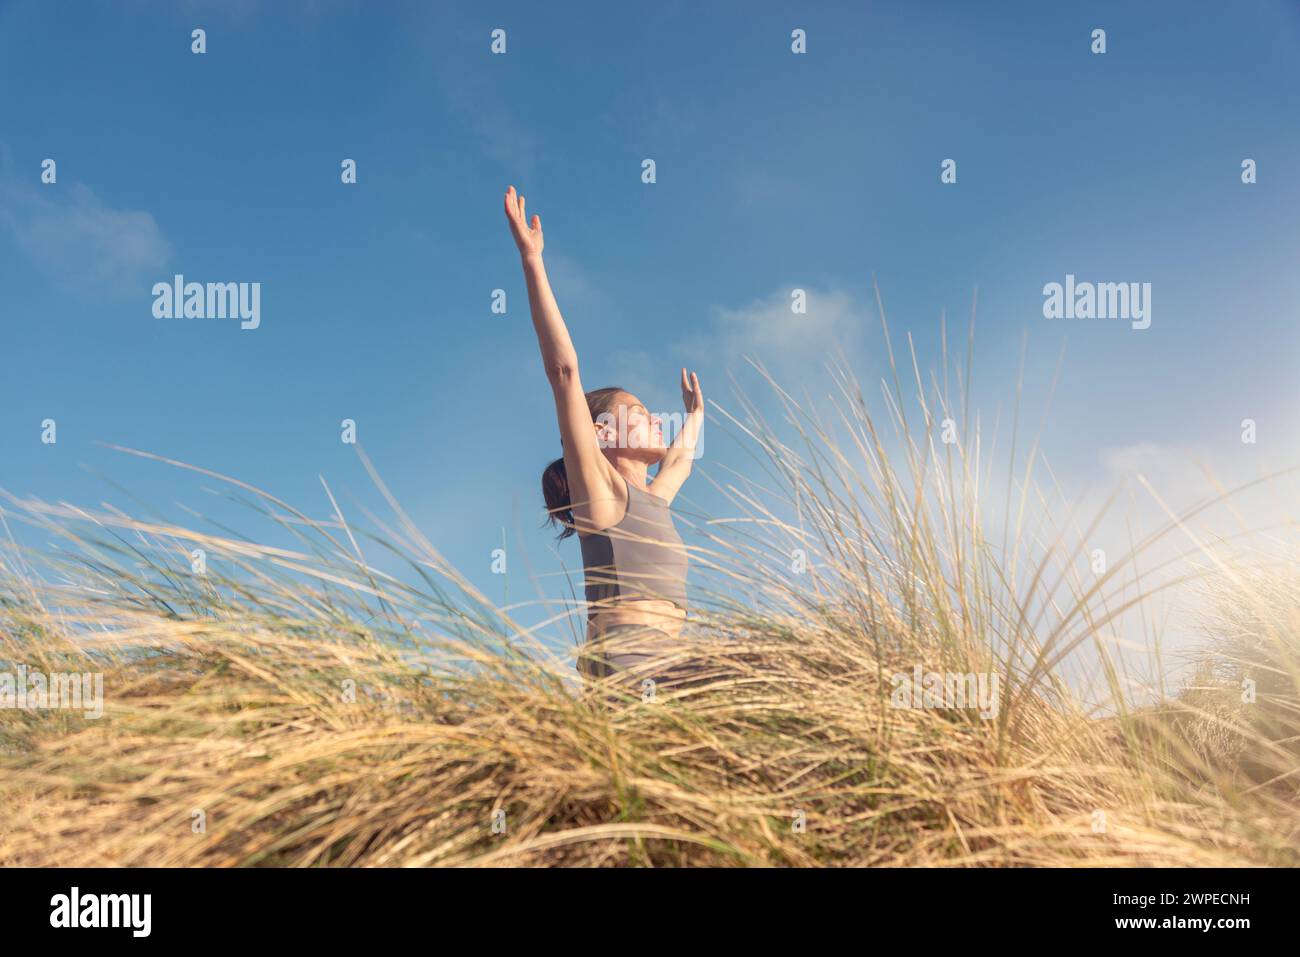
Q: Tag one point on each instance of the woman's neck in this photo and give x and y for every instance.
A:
(635, 472)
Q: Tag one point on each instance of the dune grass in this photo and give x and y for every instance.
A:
(296, 706)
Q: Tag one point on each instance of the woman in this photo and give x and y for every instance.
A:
(634, 560)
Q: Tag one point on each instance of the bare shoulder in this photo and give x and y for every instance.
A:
(606, 502)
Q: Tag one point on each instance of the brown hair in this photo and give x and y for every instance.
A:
(555, 480)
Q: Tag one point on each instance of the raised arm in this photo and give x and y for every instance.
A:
(676, 464)
(590, 476)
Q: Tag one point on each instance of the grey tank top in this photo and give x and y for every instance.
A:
(640, 557)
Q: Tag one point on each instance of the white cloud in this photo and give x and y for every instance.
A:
(1184, 476)
(79, 239)
(788, 343)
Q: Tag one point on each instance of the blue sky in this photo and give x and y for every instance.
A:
(774, 170)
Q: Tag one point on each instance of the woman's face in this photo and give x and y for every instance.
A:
(644, 436)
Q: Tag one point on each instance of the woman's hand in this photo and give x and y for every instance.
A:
(527, 238)
(692, 396)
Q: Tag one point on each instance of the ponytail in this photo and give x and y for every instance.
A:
(555, 489)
